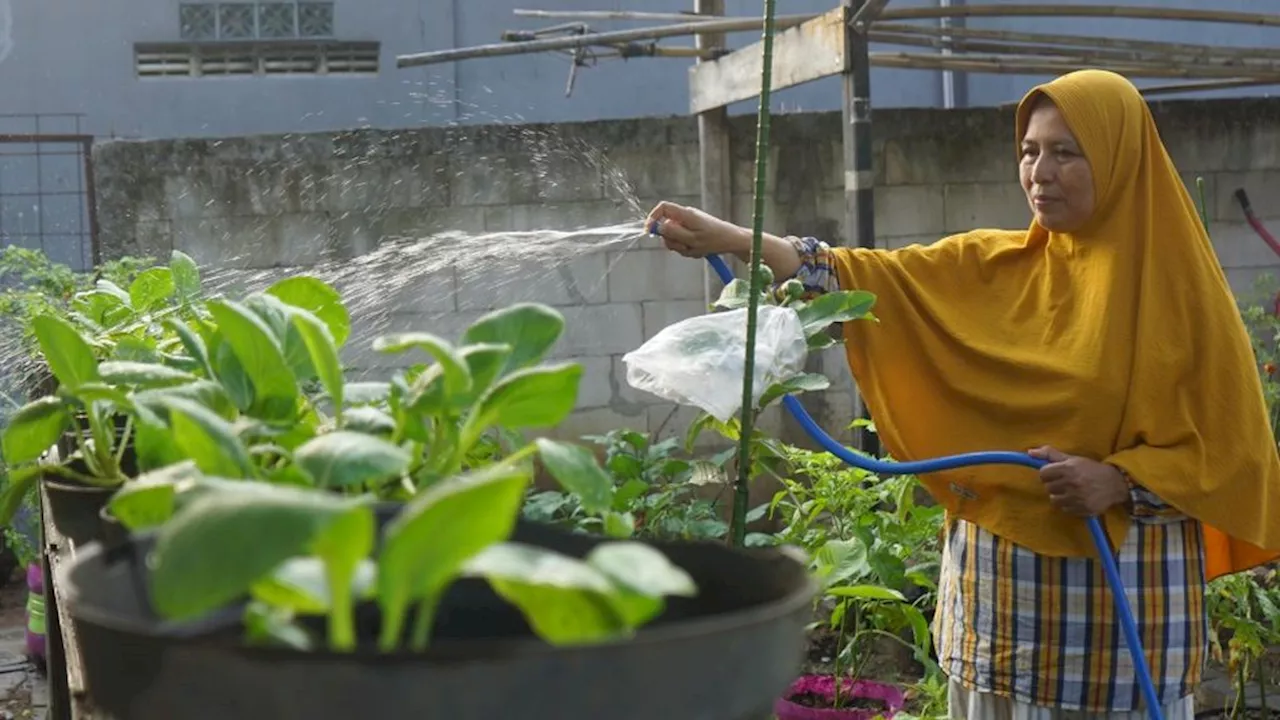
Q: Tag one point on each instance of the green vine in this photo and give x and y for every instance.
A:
(742, 488)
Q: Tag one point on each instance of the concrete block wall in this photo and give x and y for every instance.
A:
(335, 204)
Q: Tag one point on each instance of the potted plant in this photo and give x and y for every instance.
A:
(104, 341)
(311, 555)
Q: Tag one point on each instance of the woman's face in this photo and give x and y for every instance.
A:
(1054, 172)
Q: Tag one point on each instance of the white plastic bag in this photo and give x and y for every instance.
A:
(699, 361)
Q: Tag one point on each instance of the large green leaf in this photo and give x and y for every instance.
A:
(565, 601)
(834, 307)
(149, 500)
(532, 398)
(577, 471)
(439, 530)
(207, 393)
(33, 429)
(456, 373)
(232, 375)
(323, 352)
(866, 592)
(143, 375)
(275, 389)
(186, 276)
(207, 439)
(68, 353)
(318, 298)
(643, 577)
(529, 329)
(345, 459)
(485, 362)
(151, 287)
(18, 483)
(804, 382)
(222, 543)
(193, 343)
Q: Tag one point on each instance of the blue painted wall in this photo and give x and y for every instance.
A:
(71, 56)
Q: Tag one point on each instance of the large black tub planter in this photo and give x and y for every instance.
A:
(722, 655)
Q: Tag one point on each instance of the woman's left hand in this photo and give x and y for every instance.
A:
(1078, 485)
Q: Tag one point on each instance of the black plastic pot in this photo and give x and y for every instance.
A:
(724, 655)
(74, 509)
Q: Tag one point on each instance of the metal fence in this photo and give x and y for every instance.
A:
(47, 198)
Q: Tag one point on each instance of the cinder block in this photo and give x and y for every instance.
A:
(986, 205)
(658, 315)
(564, 217)
(1238, 246)
(909, 210)
(557, 175)
(611, 329)
(229, 242)
(654, 275)
(660, 171)
(374, 185)
(304, 238)
(1262, 186)
(154, 239)
(499, 281)
(426, 290)
(596, 389)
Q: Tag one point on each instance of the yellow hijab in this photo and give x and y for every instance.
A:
(1120, 343)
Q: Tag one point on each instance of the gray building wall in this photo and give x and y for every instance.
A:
(71, 56)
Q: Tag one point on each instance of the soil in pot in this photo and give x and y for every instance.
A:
(724, 655)
(813, 697)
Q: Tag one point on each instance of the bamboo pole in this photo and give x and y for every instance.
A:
(1022, 65)
(1072, 10)
(1094, 54)
(581, 41)
(1173, 88)
(1194, 49)
(625, 15)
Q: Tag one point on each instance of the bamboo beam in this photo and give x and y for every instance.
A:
(1072, 10)
(867, 14)
(591, 39)
(1193, 49)
(1021, 65)
(1172, 88)
(624, 15)
(1118, 55)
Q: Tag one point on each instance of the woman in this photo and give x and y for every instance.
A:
(1105, 337)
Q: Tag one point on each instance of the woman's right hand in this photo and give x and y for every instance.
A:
(696, 234)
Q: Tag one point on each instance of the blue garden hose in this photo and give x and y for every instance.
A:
(951, 462)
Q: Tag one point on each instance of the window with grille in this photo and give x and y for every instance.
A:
(268, 37)
(255, 20)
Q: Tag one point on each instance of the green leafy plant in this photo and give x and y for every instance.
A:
(655, 494)
(1244, 623)
(817, 316)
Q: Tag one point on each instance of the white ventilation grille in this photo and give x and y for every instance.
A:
(224, 59)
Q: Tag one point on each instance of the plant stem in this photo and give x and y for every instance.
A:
(1262, 687)
(423, 622)
(1204, 217)
(740, 499)
(342, 628)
